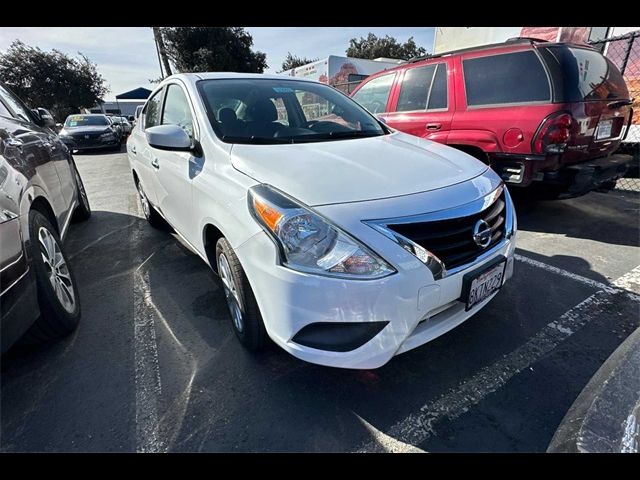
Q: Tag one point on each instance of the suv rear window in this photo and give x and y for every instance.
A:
(517, 77)
(582, 74)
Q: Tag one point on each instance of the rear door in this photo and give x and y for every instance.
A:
(174, 170)
(424, 103)
(591, 87)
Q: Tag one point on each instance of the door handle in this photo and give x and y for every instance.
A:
(434, 126)
(133, 150)
(155, 164)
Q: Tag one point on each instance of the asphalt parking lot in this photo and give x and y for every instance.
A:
(155, 366)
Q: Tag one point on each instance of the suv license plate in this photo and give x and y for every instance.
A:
(604, 129)
(480, 284)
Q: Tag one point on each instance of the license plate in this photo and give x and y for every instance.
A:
(604, 129)
(480, 284)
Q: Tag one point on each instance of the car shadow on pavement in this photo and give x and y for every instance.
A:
(612, 217)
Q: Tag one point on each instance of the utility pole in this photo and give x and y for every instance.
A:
(162, 52)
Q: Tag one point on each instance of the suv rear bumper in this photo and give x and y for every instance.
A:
(574, 180)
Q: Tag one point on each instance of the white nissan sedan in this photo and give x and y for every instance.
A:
(342, 240)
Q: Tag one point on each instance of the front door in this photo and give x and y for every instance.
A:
(173, 170)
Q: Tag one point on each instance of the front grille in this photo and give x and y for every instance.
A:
(451, 240)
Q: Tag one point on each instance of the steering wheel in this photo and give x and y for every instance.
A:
(310, 123)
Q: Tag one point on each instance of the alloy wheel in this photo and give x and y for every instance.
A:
(146, 208)
(230, 292)
(57, 269)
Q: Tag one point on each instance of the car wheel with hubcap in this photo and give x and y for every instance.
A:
(150, 213)
(245, 315)
(55, 282)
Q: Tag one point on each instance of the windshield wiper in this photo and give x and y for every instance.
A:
(315, 137)
(255, 140)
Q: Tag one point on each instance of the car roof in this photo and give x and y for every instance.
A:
(512, 44)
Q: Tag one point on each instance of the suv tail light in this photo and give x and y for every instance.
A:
(553, 134)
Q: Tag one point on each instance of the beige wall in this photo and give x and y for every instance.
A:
(453, 38)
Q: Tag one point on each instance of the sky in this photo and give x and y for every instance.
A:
(127, 59)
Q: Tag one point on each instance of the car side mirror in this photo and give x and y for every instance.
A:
(168, 137)
(130, 118)
(45, 118)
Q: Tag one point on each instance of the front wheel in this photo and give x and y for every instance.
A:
(150, 213)
(56, 285)
(245, 315)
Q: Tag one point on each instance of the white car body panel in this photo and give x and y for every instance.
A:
(356, 170)
(348, 182)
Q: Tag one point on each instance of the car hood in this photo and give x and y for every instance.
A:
(86, 129)
(355, 170)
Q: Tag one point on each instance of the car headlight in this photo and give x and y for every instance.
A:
(308, 242)
(64, 134)
(107, 136)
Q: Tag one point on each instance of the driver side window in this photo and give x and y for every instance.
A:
(374, 94)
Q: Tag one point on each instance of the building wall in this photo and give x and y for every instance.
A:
(454, 38)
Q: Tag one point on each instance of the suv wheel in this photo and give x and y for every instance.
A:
(55, 282)
(243, 308)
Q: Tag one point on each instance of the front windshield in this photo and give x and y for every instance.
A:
(283, 111)
(85, 120)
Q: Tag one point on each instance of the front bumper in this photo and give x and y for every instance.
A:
(88, 144)
(575, 179)
(415, 307)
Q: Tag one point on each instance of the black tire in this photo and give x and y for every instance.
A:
(55, 320)
(253, 334)
(83, 210)
(149, 211)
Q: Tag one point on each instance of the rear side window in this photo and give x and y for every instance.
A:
(152, 111)
(517, 77)
(423, 88)
(415, 89)
(585, 75)
(374, 94)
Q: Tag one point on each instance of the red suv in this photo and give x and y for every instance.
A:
(542, 114)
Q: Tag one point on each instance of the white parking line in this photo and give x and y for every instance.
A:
(630, 279)
(147, 370)
(416, 428)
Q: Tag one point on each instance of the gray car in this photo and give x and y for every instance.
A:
(40, 192)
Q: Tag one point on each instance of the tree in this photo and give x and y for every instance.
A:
(292, 61)
(52, 80)
(212, 49)
(374, 47)
(162, 50)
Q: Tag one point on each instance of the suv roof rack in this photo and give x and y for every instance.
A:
(530, 40)
(525, 39)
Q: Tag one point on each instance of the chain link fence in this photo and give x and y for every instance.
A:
(624, 52)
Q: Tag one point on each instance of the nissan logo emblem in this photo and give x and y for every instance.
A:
(482, 233)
